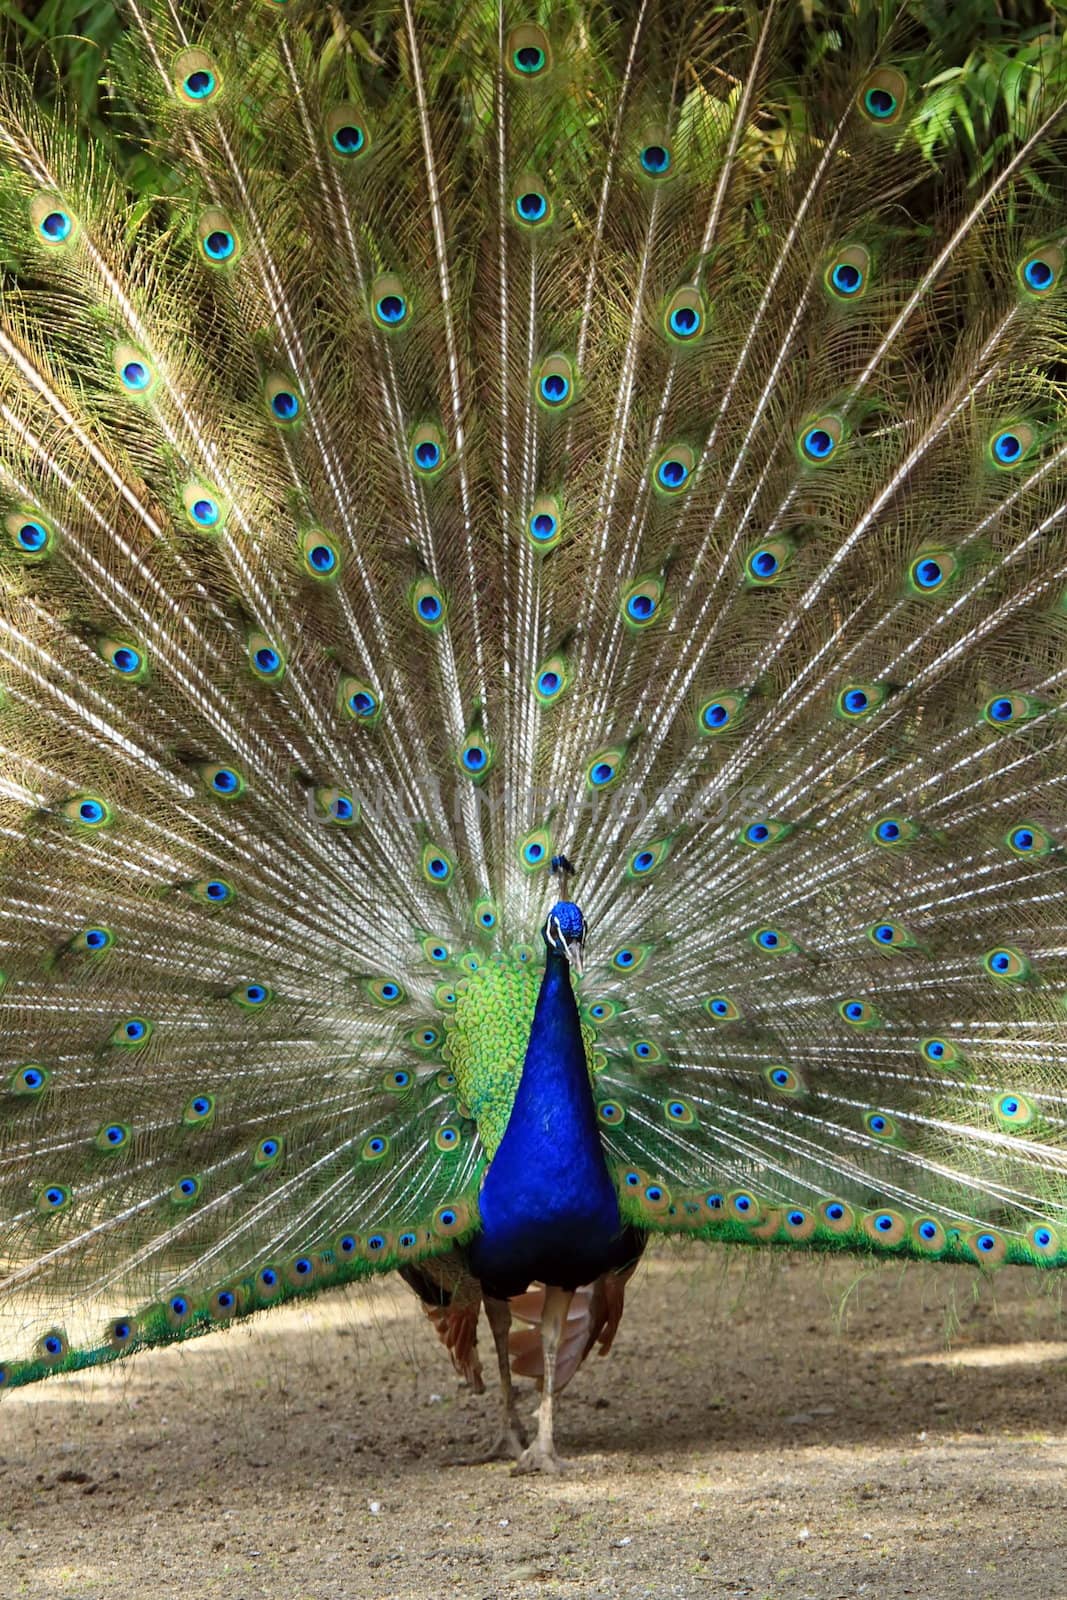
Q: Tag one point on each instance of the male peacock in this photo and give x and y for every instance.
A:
(510, 442)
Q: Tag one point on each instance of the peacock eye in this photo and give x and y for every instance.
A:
(348, 139)
(531, 207)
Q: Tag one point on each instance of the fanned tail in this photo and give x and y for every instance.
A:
(506, 438)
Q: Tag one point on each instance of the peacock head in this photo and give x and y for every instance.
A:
(564, 932)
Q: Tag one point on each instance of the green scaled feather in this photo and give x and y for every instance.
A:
(505, 435)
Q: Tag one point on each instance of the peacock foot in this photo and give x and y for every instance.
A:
(536, 1458)
(510, 1446)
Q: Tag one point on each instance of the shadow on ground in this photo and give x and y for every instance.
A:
(780, 1428)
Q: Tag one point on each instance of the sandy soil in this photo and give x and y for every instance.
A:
(776, 1428)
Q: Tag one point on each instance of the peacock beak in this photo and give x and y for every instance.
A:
(573, 950)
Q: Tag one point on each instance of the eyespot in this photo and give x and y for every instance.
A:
(54, 1197)
(268, 1281)
(251, 996)
(1039, 271)
(389, 304)
(554, 383)
(451, 1218)
(217, 239)
(484, 915)
(721, 1008)
(884, 1227)
(224, 782)
(427, 604)
(837, 1216)
(1029, 839)
(200, 1109)
(880, 1125)
(185, 1191)
(858, 700)
(476, 755)
(1010, 446)
(674, 469)
(386, 991)
(224, 1304)
(535, 851)
(347, 132)
(134, 371)
(767, 562)
(604, 769)
(93, 941)
(848, 274)
(630, 957)
(112, 1137)
(1007, 964)
(301, 1271)
(53, 223)
(52, 1346)
(337, 808)
(437, 865)
(1015, 1110)
(928, 1235)
(774, 941)
(939, 1052)
(858, 1013)
(783, 1080)
(544, 524)
(427, 450)
(269, 1151)
(445, 996)
(720, 712)
(1044, 1239)
(212, 891)
(132, 1032)
(284, 402)
(818, 441)
(930, 572)
(987, 1246)
(648, 858)
(447, 1138)
(436, 950)
(641, 602)
(684, 317)
(883, 96)
(552, 680)
(195, 77)
(743, 1207)
(375, 1148)
(680, 1112)
(610, 1112)
(29, 1080)
(891, 936)
(528, 55)
(1007, 710)
(655, 159)
(530, 203)
(320, 556)
(758, 835)
(119, 1334)
(32, 535)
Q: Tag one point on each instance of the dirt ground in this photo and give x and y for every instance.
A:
(778, 1428)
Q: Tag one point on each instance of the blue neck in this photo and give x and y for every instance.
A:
(548, 1205)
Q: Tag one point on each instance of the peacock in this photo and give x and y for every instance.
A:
(533, 603)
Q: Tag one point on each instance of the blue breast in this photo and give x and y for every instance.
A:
(548, 1205)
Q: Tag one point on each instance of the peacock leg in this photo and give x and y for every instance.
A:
(513, 1435)
(541, 1455)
